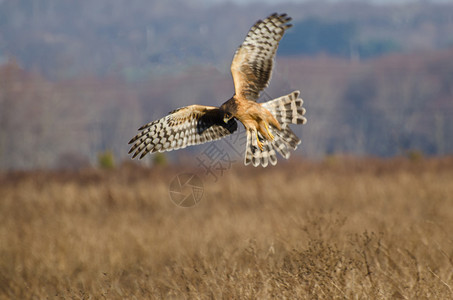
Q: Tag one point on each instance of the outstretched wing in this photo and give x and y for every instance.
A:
(190, 125)
(252, 63)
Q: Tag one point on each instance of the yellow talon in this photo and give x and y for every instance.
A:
(269, 132)
(258, 141)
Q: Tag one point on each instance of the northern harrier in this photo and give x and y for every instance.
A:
(267, 124)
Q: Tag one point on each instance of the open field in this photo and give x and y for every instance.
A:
(342, 228)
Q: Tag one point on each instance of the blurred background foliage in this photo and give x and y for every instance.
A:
(80, 77)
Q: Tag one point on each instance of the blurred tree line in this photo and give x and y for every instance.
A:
(381, 107)
(313, 36)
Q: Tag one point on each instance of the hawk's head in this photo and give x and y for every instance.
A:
(229, 109)
(227, 117)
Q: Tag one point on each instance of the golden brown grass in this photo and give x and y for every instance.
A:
(330, 230)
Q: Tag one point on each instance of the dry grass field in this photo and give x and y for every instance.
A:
(338, 229)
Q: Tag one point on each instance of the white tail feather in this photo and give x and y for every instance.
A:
(287, 110)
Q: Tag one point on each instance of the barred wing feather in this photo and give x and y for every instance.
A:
(186, 126)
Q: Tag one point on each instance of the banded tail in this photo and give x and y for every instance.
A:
(287, 110)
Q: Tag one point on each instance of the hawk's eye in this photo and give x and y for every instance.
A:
(227, 117)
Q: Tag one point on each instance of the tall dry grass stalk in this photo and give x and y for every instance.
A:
(343, 228)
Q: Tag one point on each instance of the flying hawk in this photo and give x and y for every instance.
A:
(266, 124)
